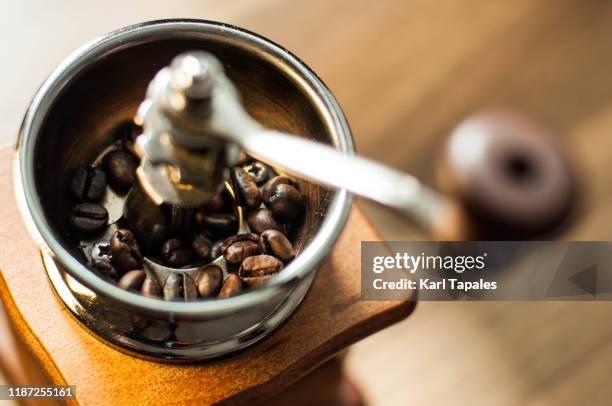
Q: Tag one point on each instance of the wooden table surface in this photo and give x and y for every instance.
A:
(406, 72)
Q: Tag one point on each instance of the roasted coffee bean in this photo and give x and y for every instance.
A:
(285, 202)
(246, 189)
(258, 171)
(237, 252)
(132, 280)
(261, 220)
(271, 185)
(180, 286)
(209, 280)
(201, 247)
(219, 203)
(218, 224)
(231, 287)
(88, 219)
(258, 269)
(120, 169)
(215, 251)
(104, 265)
(125, 252)
(127, 133)
(275, 243)
(239, 237)
(150, 287)
(88, 184)
(157, 236)
(175, 253)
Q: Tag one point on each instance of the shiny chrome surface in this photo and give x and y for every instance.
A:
(183, 160)
(145, 211)
(162, 338)
(65, 127)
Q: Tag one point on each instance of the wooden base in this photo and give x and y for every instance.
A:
(331, 317)
(326, 385)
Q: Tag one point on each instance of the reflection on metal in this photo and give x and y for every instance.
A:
(165, 339)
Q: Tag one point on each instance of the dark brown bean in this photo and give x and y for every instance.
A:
(239, 237)
(120, 169)
(88, 219)
(132, 280)
(175, 253)
(240, 246)
(156, 237)
(215, 251)
(257, 270)
(275, 243)
(150, 287)
(246, 189)
(124, 249)
(219, 203)
(237, 252)
(231, 287)
(104, 265)
(271, 185)
(88, 184)
(201, 247)
(258, 171)
(180, 286)
(285, 202)
(261, 220)
(218, 224)
(209, 280)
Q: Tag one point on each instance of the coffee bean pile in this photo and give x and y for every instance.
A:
(273, 206)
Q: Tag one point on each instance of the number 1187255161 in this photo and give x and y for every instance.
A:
(18, 392)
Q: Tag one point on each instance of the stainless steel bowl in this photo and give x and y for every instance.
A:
(72, 117)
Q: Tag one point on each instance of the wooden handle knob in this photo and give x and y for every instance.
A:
(509, 176)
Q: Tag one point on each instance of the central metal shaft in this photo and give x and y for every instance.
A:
(184, 158)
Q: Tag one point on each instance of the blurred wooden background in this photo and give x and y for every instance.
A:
(405, 72)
